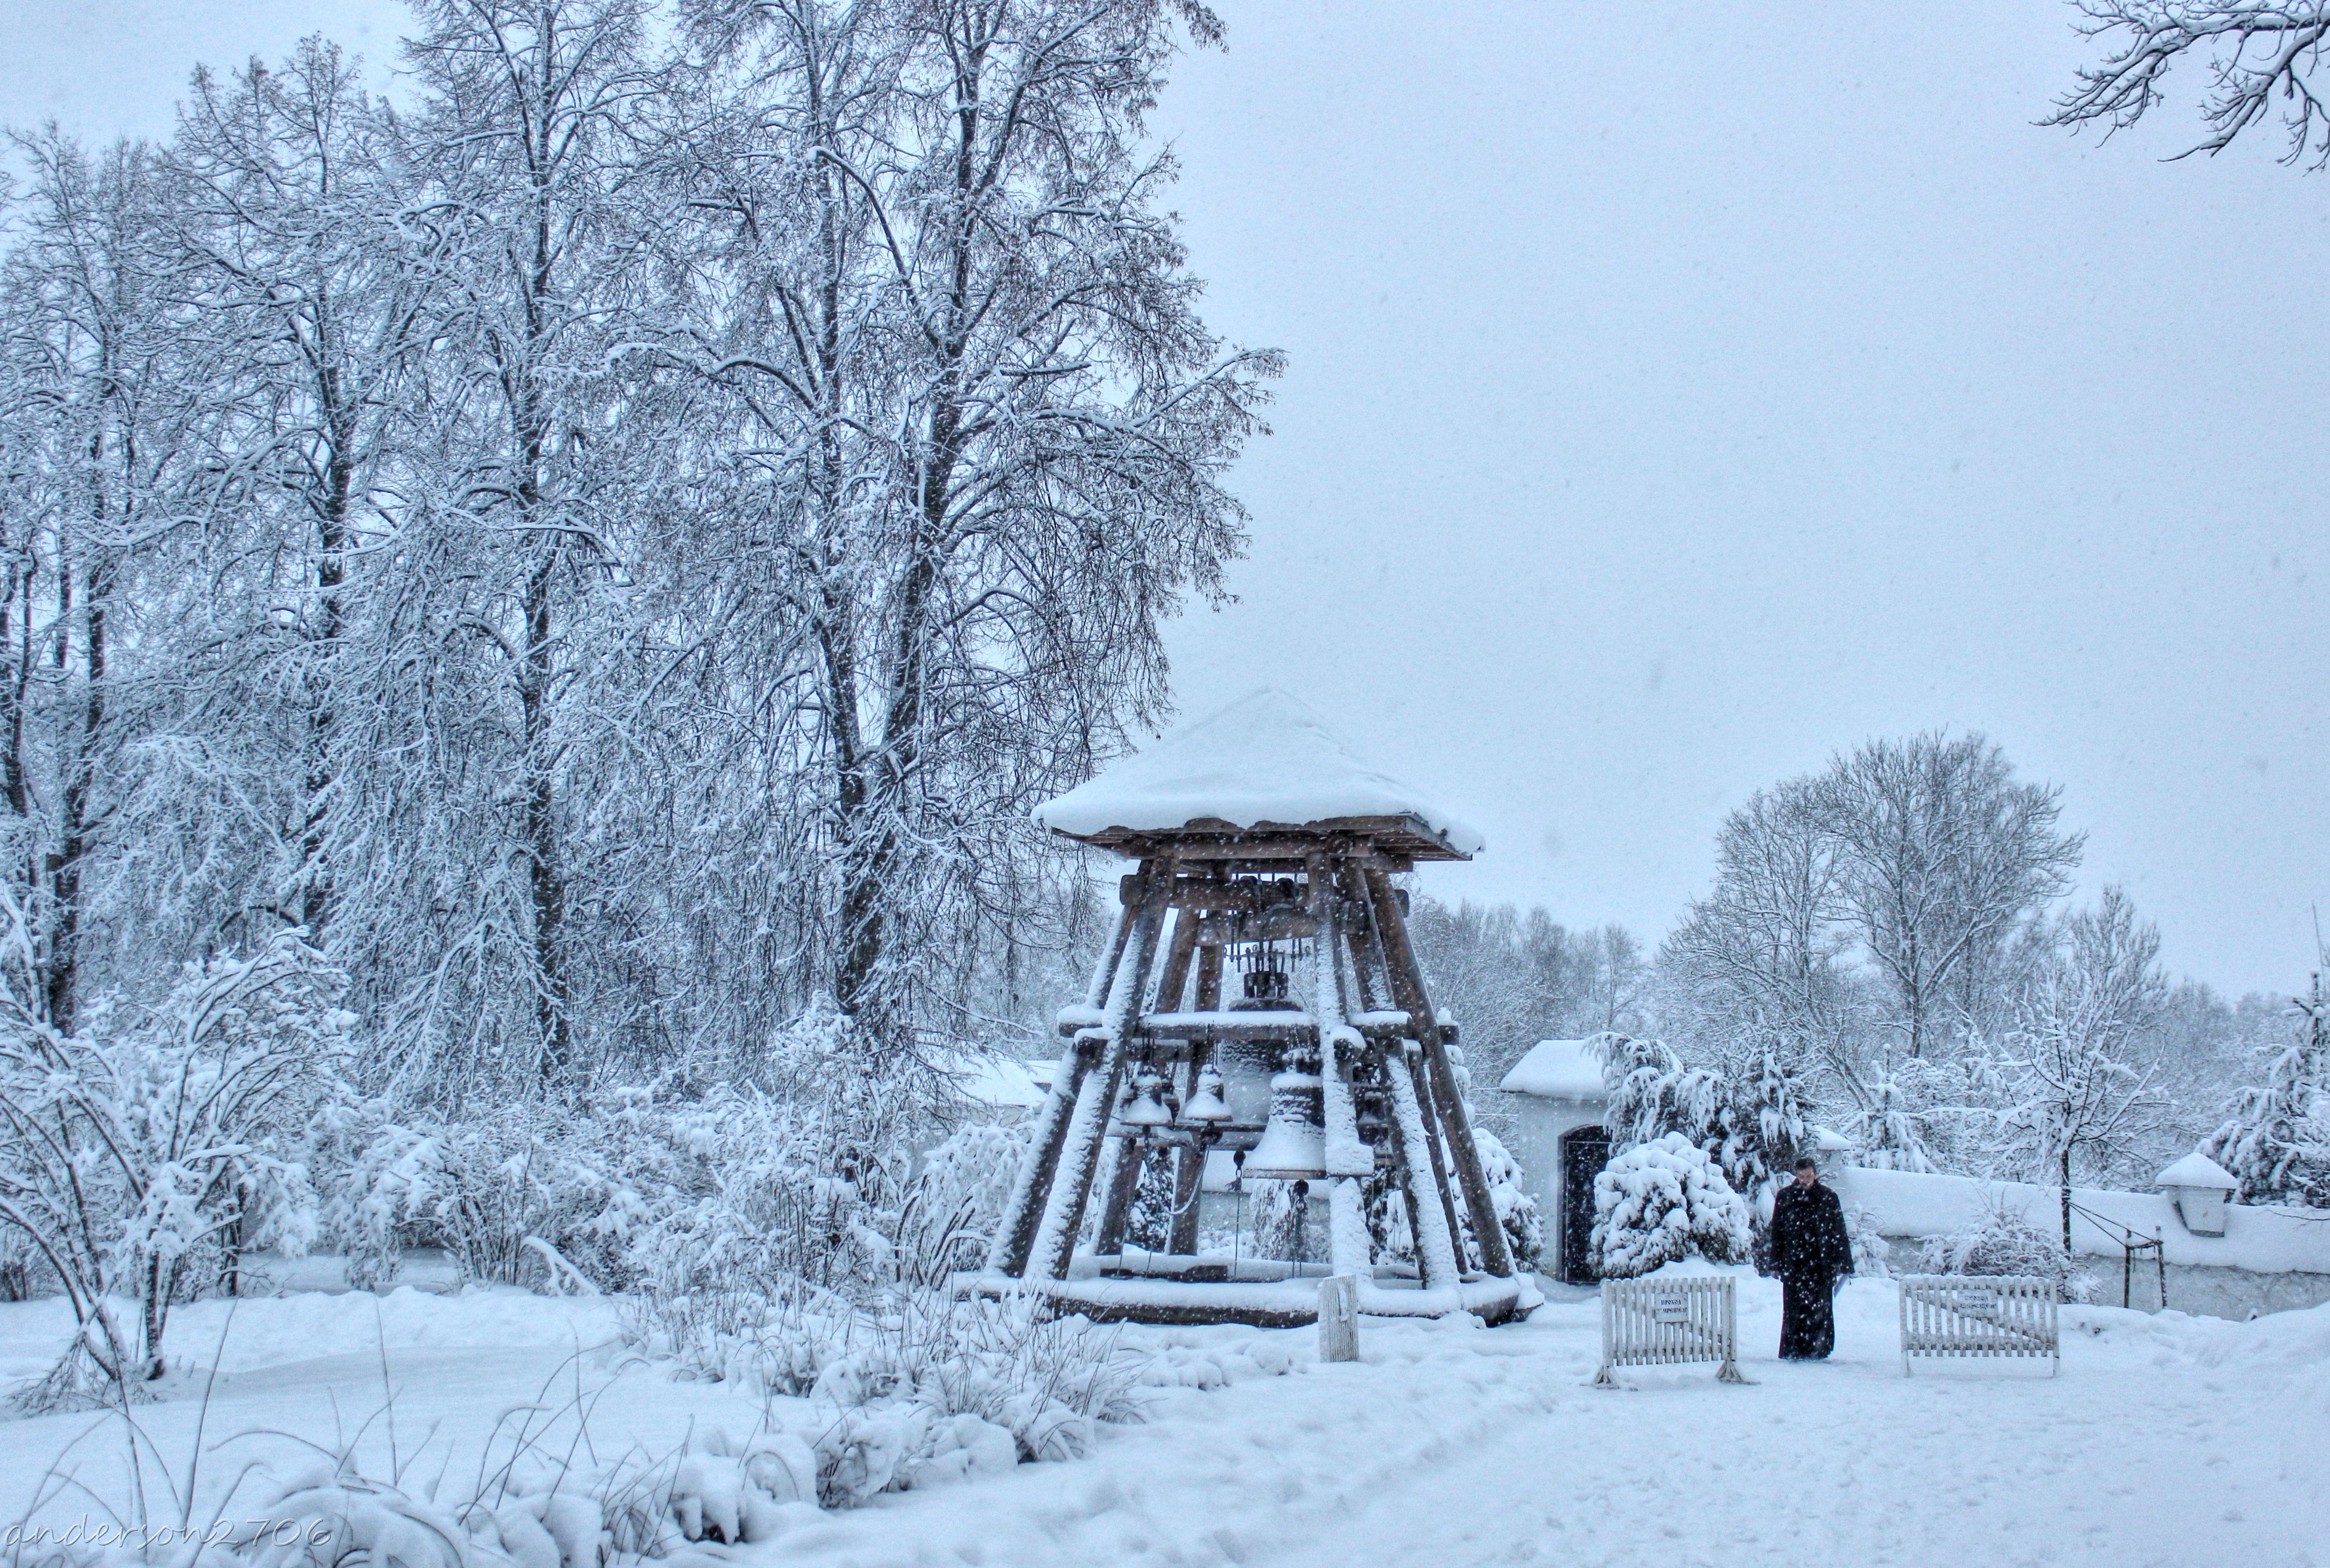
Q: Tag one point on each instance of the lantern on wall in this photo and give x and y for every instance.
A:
(2200, 1188)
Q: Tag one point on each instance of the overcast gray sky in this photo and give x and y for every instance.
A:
(1683, 393)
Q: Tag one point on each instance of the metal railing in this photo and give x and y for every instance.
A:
(2131, 1243)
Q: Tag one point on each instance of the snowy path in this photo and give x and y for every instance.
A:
(1451, 1447)
(1846, 1462)
(2168, 1440)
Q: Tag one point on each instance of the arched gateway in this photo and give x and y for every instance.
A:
(1265, 851)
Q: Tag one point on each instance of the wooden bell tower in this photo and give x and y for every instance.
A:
(1363, 1085)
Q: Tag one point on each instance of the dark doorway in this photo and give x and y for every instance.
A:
(1585, 1151)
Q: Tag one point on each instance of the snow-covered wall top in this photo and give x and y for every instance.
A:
(1558, 1069)
(2261, 1239)
(1265, 758)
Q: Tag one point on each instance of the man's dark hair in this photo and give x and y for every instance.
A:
(1806, 1162)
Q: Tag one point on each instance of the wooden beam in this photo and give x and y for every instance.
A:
(1120, 1156)
(1176, 977)
(1258, 1025)
(1079, 1159)
(1032, 1187)
(1407, 990)
(1190, 1167)
(1412, 1084)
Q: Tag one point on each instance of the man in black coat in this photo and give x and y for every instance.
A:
(1811, 1252)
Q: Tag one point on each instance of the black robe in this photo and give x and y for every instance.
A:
(1809, 1250)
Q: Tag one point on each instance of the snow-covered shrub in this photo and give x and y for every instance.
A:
(1391, 1239)
(906, 1394)
(1149, 1216)
(1281, 1221)
(959, 1198)
(480, 1189)
(1517, 1209)
(321, 1517)
(771, 1337)
(143, 1153)
(2002, 1239)
(1745, 1107)
(1872, 1255)
(1044, 1379)
(674, 1188)
(1662, 1201)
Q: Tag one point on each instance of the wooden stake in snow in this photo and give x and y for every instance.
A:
(1339, 1318)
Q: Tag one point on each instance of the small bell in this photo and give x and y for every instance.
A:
(1143, 1108)
(1207, 1104)
(1293, 1146)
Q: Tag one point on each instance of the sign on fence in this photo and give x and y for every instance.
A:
(2002, 1314)
(1667, 1322)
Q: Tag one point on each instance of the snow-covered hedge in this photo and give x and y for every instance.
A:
(795, 1181)
(1661, 1202)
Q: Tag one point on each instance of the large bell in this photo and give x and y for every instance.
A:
(1293, 1146)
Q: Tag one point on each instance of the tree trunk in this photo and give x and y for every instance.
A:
(315, 877)
(75, 810)
(546, 882)
(2066, 1200)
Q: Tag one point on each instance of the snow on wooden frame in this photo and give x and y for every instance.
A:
(1265, 760)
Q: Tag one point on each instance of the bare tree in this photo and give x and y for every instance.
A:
(1766, 955)
(2075, 1096)
(2261, 57)
(1943, 855)
(988, 434)
(289, 212)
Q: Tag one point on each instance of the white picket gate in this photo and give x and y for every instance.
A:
(1979, 1315)
(1666, 1322)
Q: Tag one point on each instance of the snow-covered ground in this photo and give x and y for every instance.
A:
(2166, 1441)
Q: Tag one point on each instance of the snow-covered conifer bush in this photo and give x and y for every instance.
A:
(1745, 1109)
(1148, 1217)
(147, 1150)
(2276, 1142)
(1390, 1238)
(1662, 1201)
(1517, 1209)
(1281, 1221)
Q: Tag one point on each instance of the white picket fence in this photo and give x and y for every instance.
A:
(1667, 1322)
(1962, 1315)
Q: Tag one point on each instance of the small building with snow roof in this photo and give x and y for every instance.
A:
(1558, 1099)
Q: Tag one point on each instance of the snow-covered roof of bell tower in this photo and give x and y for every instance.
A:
(1263, 762)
